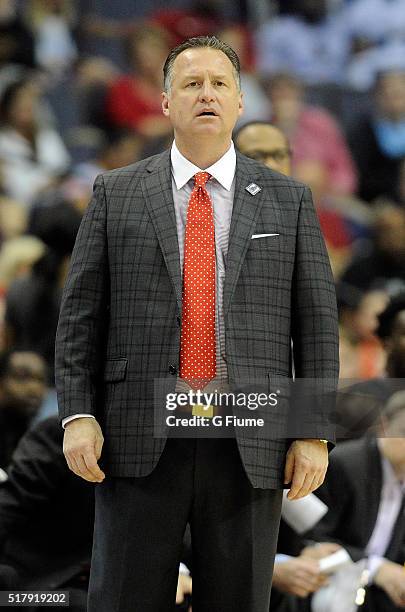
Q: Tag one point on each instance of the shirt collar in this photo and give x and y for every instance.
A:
(223, 170)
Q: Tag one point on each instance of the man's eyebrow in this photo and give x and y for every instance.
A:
(198, 76)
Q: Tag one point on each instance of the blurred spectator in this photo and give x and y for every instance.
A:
(33, 156)
(372, 21)
(118, 148)
(377, 140)
(16, 41)
(52, 22)
(341, 218)
(265, 143)
(46, 517)
(32, 308)
(360, 405)
(17, 256)
(90, 81)
(382, 264)
(311, 44)
(22, 390)
(391, 330)
(256, 103)
(361, 352)
(364, 490)
(13, 215)
(133, 101)
(313, 133)
(197, 19)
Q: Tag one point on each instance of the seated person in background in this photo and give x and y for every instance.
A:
(133, 100)
(359, 406)
(297, 572)
(381, 264)
(361, 352)
(364, 491)
(46, 520)
(22, 391)
(313, 133)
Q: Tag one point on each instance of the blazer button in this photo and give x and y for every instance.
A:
(172, 369)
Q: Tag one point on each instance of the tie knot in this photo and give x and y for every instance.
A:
(201, 178)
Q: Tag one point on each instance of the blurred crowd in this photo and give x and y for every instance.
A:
(324, 94)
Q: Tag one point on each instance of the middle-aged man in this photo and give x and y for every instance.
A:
(197, 264)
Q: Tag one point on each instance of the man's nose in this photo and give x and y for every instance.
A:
(207, 93)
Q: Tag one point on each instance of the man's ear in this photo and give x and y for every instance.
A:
(241, 106)
(165, 104)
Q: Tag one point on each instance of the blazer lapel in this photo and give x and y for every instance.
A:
(158, 194)
(246, 208)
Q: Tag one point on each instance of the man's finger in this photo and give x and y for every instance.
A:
(289, 468)
(307, 486)
(81, 468)
(297, 481)
(93, 467)
(319, 481)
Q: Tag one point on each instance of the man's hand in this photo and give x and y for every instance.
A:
(298, 576)
(391, 577)
(305, 468)
(82, 444)
(184, 587)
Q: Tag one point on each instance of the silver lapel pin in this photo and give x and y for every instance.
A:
(253, 189)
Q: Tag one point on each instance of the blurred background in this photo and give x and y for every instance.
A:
(80, 84)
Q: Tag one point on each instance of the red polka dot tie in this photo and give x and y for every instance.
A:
(197, 342)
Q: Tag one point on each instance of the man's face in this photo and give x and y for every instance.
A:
(24, 385)
(204, 101)
(394, 444)
(266, 144)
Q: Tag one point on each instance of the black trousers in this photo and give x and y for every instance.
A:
(140, 523)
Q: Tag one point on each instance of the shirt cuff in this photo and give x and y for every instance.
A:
(280, 558)
(183, 569)
(75, 416)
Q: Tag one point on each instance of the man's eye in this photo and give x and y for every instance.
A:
(220, 83)
(192, 83)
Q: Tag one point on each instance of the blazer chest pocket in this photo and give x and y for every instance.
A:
(266, 242)
(115, 370)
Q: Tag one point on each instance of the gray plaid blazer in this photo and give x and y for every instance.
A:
(119, 325)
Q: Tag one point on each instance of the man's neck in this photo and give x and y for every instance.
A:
(205, 154)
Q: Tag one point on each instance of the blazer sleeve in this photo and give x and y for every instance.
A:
(314, 328)
(84, 308)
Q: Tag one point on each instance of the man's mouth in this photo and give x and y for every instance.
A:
(207, 113)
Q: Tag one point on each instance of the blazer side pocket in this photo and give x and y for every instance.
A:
(115, 370)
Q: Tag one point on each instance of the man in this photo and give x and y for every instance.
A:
(364, 491)
(126, 322)
(22, 390)
(265, 143)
